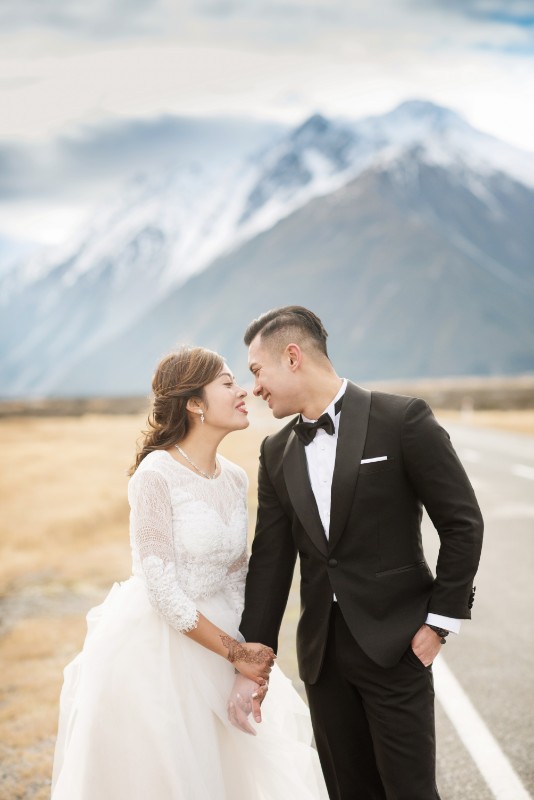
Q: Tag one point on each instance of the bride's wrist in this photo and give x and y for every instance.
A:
(233, 648)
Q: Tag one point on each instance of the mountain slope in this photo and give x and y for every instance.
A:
(413, 272)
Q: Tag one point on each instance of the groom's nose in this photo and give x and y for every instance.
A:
(257, 389)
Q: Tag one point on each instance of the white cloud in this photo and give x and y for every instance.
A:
(96, 19)
(341, 77)
(67, 65)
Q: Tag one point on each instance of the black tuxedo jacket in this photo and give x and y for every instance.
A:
(373, 560)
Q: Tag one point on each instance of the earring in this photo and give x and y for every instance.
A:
(202, 417)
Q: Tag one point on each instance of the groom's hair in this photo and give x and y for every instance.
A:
(281, 326)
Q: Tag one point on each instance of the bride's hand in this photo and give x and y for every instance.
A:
(252, 659)
(255, 661)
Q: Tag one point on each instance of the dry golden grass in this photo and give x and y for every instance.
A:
(63, 542)
(33, 653)
(514, 421)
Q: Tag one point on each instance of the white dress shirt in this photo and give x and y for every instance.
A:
(321, 457)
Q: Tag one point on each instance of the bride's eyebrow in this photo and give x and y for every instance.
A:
(227, 375)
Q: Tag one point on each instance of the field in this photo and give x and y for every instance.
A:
(63, 542)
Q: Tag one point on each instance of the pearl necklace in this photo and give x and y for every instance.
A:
(205, 474)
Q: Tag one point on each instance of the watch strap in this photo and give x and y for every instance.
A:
(441, 632)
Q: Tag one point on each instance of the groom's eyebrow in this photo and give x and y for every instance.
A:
(253, 366)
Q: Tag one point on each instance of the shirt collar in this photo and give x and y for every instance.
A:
(330, 407)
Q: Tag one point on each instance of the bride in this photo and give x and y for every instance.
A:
(143, 710)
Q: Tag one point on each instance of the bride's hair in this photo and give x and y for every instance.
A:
(179, 377)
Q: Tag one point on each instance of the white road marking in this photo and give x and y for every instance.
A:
(523, 471)
(494, 766)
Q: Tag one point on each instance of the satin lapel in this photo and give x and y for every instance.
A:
(351, 441)
(300, 491)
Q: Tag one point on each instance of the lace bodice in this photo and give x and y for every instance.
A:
(188, 535)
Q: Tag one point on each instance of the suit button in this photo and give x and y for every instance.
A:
(332, 562)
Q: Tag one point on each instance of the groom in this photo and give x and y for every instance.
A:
(343, 486)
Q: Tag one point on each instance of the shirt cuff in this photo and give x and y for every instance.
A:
(450, 624)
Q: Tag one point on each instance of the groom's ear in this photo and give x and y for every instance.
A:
(293, 353)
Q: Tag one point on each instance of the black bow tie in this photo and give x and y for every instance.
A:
(306, 430)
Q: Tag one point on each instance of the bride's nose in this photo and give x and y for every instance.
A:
(241, 392)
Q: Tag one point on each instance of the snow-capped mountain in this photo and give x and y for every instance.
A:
(58, 308)
(413, 274)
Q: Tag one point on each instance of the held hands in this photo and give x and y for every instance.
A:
(253, 663)
(426, 645)
(252, 660)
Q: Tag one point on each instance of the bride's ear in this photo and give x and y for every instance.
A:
(194, 406)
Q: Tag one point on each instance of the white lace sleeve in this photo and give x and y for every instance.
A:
(151, 530)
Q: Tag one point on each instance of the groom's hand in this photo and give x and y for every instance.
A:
(245, 698)
(426, 644)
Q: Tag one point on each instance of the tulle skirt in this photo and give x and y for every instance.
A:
(143, 715)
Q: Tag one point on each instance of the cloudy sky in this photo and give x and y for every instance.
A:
(71, 69)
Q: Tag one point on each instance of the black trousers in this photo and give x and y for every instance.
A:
(374, 727)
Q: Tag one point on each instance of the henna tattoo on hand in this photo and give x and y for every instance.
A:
(239, 652)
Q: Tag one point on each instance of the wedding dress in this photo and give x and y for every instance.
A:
(143, 707)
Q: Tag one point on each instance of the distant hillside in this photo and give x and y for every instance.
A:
(502, 394)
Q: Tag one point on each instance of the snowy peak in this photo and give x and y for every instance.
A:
(411, 122)
(442, 137)
(322, 136)
(298, 167)
(315, 125)
(425, 117)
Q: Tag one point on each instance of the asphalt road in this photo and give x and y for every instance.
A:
(485, 717)
(493, 657)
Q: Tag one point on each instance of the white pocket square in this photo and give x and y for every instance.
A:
(372, 460)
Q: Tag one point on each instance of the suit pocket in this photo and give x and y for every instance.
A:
(375, 467)
(397, 570)
(411, 656)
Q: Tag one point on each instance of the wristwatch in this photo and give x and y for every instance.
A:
(442, 632)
